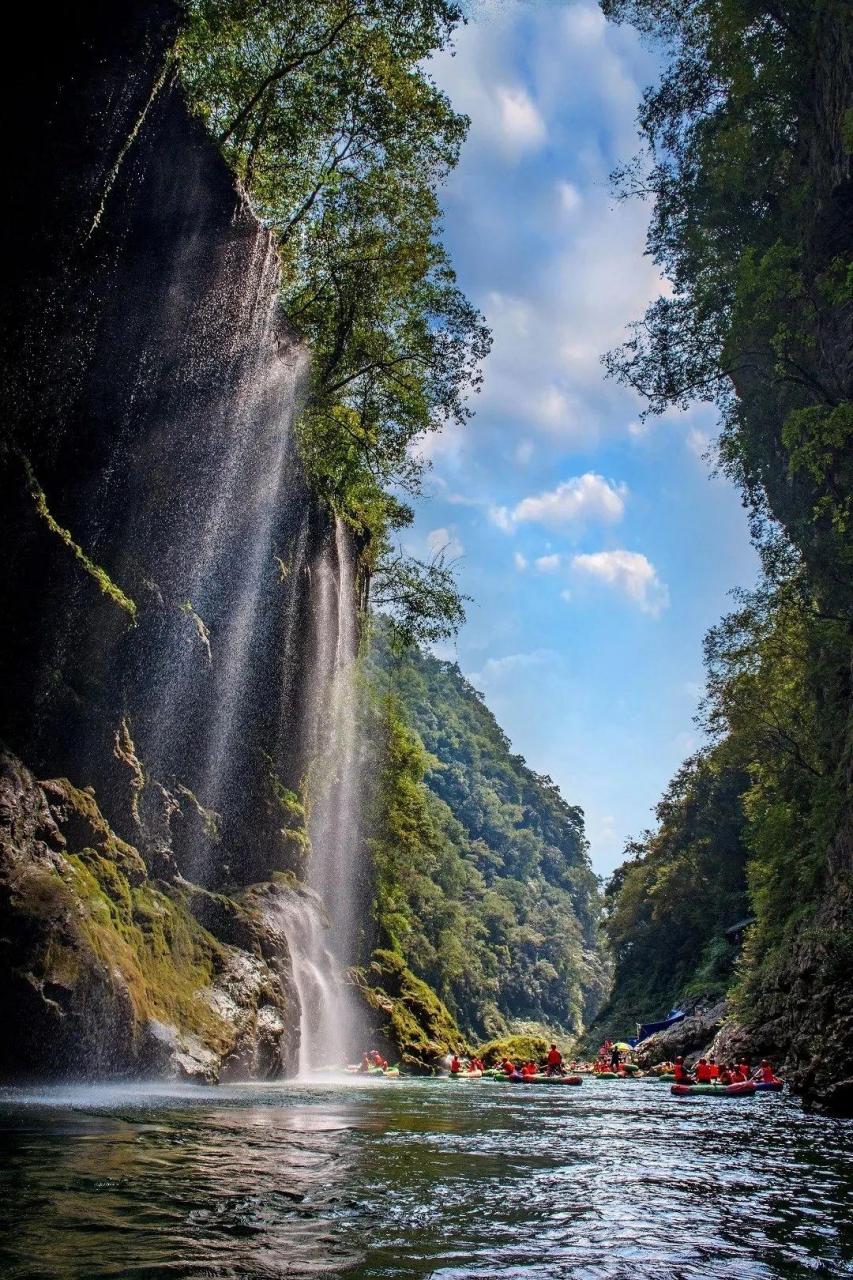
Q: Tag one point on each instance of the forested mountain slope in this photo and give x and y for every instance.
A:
(672, 904)
(484, 882)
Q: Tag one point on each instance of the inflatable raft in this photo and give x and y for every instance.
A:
(713, 1090)
(541, 1078)
(769, 1086)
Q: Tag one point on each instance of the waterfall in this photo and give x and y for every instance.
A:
(239, 682)
(323, 948)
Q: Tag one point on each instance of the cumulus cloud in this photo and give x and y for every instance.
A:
(497, 669)
(502, 517)
(698, 441)
(569, 196)
(521, 126)
(628, 572)
(548, 564)
(519, 561)
(555, 263)
(574, 501)
(443, 542)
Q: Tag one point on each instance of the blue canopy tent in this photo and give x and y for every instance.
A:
(649, 1028)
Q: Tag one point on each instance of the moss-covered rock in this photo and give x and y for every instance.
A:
(406, 1018)
(522, 1048)
(107, 971)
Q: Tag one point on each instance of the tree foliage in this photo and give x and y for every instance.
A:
(342, 141)
(747, 162)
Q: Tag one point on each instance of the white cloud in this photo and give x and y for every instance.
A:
(569, 196)
(581, 498)
(566, 595)
(548, 564)
(639, 430)
(496, 669)
(522, 127)
(523, 452)
(628, 572)
(519, 561)
(502, 517)
(443, 542)
(698, 441)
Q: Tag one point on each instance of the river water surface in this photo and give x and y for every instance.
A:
(419, 1178)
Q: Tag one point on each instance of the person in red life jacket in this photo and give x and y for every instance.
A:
(377, 1059)
(509, 1067)
(703, 1072)
(713, 1068)
(682, 1075)
(765, 1073)
(745, 1068)
(455, 1066)
(737, 1075)
(529, 1069)
(554, 1062)
(475, 1065)
(724, 1075)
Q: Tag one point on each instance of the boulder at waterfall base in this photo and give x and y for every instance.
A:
(109, 972)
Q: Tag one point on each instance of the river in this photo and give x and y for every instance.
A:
(419, 1178)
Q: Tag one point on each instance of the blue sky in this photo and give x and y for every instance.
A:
(597, 549)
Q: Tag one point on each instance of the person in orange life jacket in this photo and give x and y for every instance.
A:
(475, 1065)
(455, 1066)
(765, 1073)
(745, 1068)
(713, 1068)
(724, 1075)
(378, 1060)
(554, 1061)
(737, 1075)
(682, 1075)
(508, 1066)
(703, 1072)
(529, 1069)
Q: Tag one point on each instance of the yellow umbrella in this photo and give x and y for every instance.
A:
(622, 1046)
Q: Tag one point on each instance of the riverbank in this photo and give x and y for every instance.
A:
(418, 1178)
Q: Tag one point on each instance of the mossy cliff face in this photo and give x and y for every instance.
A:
(108, 971)
(405, 1017)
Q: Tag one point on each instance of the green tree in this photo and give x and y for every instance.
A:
(342, 141)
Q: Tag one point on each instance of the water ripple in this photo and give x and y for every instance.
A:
(418, 1179)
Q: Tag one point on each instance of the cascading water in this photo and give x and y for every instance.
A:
(322, 925)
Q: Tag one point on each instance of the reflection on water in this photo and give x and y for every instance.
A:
(416, 1179)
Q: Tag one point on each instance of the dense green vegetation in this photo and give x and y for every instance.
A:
(483, 879)
(748, 163)
(682, 885)
(342, 140)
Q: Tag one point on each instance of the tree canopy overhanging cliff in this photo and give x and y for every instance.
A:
(748, 164)
(328, 117)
